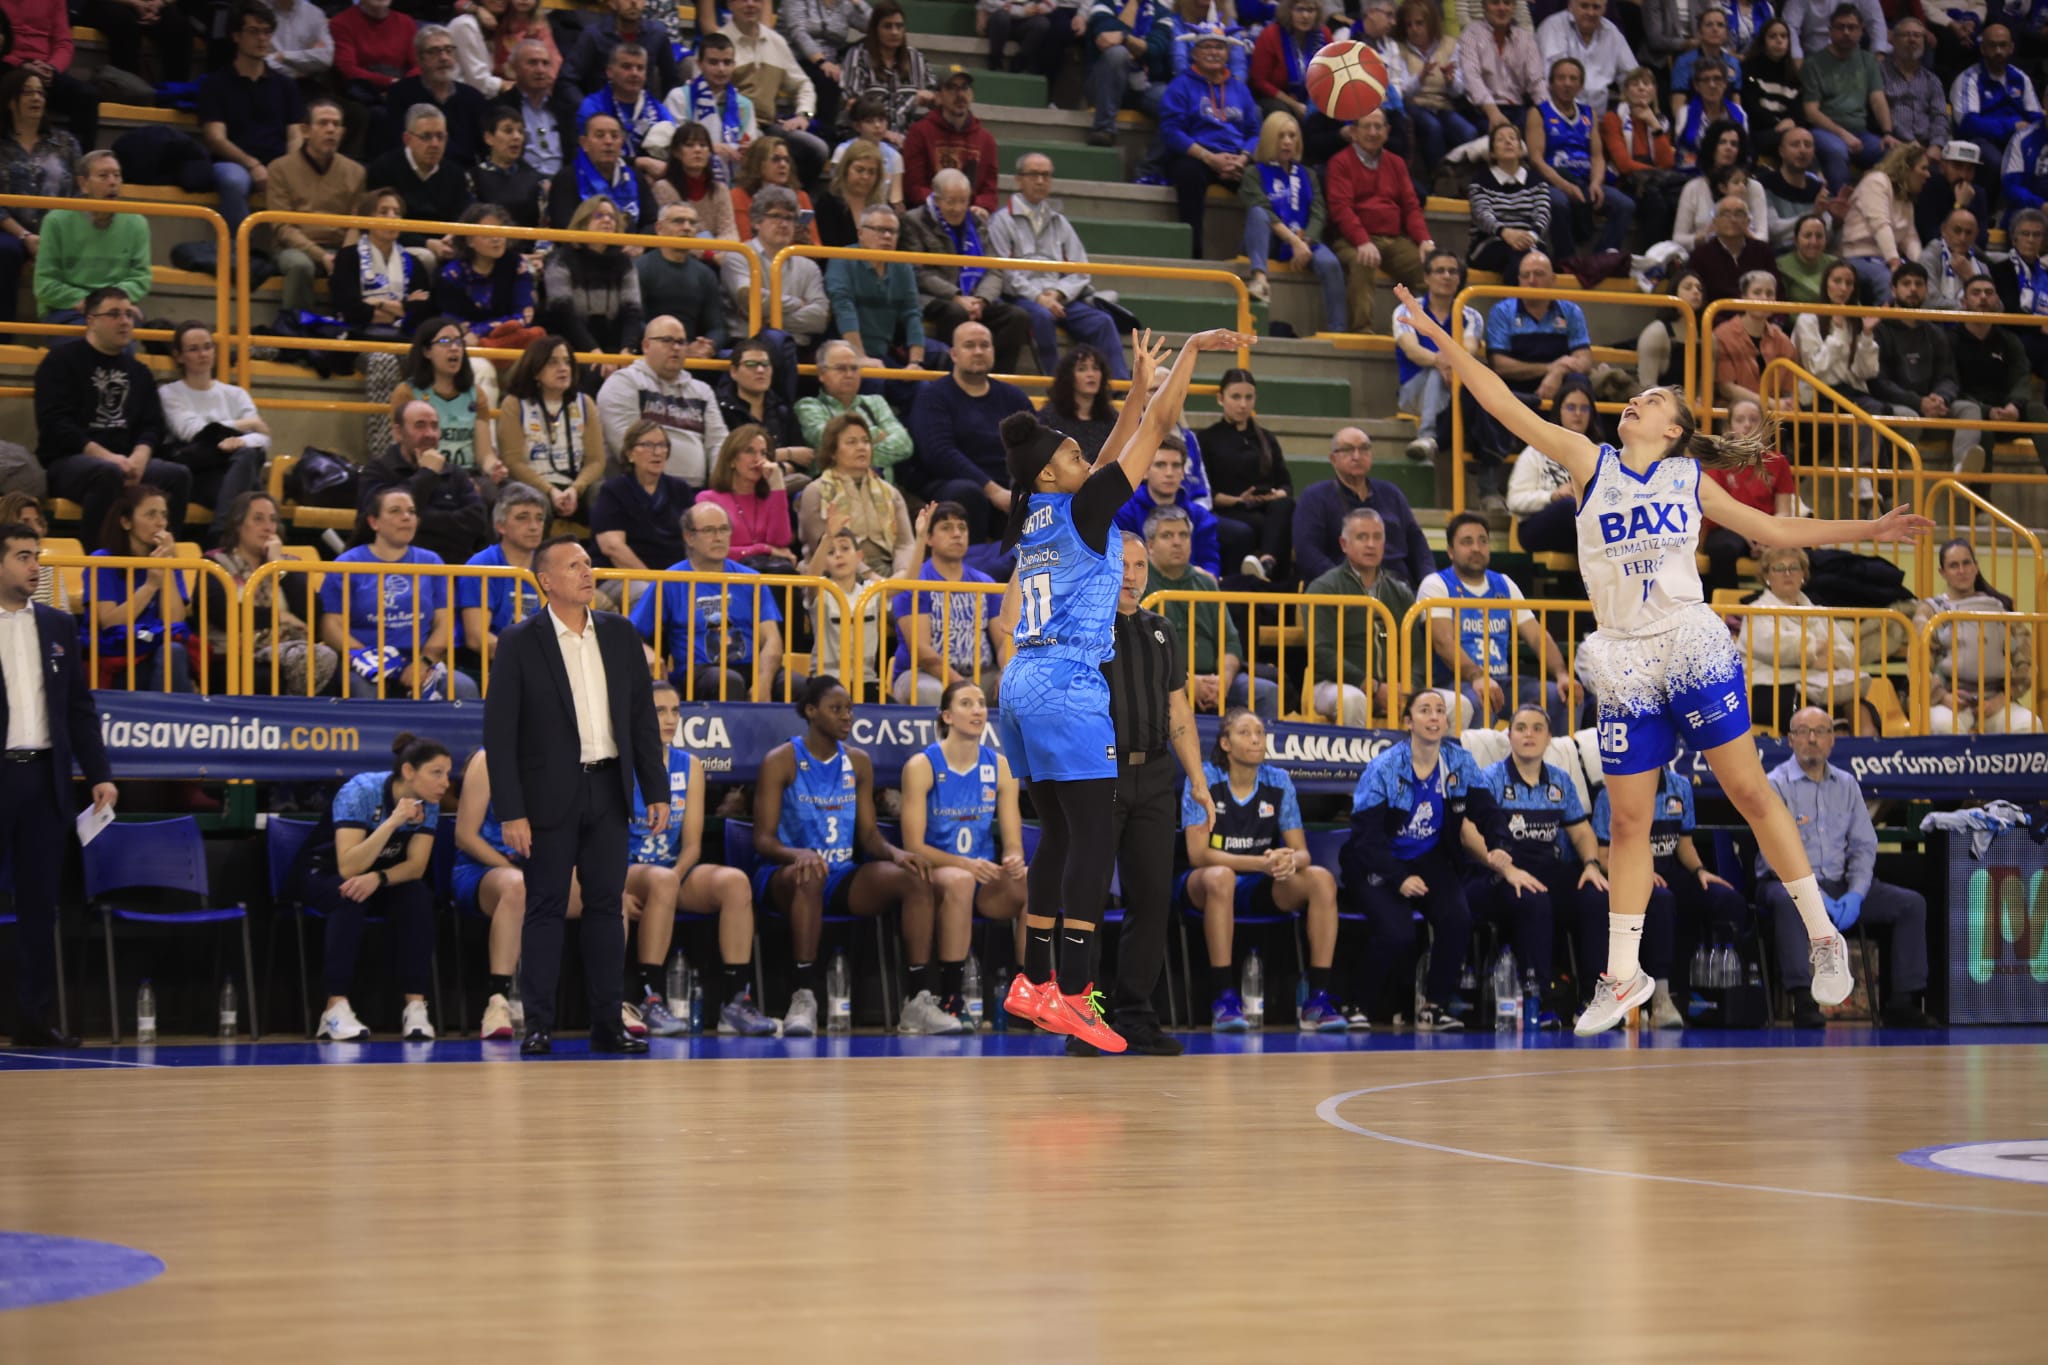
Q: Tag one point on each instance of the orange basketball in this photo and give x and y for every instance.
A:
(1347, 81)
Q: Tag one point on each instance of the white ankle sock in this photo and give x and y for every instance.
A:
(1813, 911)
(1624, 936)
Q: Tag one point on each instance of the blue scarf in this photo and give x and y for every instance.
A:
(966, 242)
(1695, 121)
(625, 192)
(703, 107)
(636, 121)
(1291, 195)
(1298, 55)
(1741, 35)
(2033, 285)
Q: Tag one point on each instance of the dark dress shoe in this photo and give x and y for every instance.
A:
(537, 1043)
(43, 1035)
(1906, 1014)
(616, 1040)
(1146, 1040)
(1805, 1013)
(1077, 1048)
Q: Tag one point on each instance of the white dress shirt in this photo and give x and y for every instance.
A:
(587, 690)
(21, 661)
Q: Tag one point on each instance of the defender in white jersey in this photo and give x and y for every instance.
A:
(1661, 663)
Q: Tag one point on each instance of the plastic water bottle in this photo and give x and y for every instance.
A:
(228, 1010)
(838, 996)
(515, 1004)
(677, 987)
(145, 1013)
(1254, 991)
(1701, 976)
(693, 1003)
(970, 987)
(1507, 994)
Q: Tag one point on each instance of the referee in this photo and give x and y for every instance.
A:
(1148, 701)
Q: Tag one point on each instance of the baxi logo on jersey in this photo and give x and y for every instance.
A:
(1645, 520)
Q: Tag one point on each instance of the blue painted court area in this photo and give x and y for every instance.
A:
(713, 1048)
(36, 1270)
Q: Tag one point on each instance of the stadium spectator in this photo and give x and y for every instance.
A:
(823, 34)
(1432, 91)
(839, 392)
(1250, 484)
(643, 119)
(1916, 372)
(583, 70)
(1952, 262)
(1425, 375)
(1768, 487)
(485, 606)
(748, 483)
(1793, 191)
(212, 427)
(1280, 58)
(1919, 106)
(877, 307)
(123, 26)
(846, 482)
(1992, 369)
(947, 224)
(2022, 280)
(1564, 147)
(871, 125)
(1164, 487)
(1080, 405)
(590, 293)
(1354, 657)
(1813, 25)
(1031, 227)
(35, 159)
(767, 162)
(548, 434)
(434, 188)
(1585, 34)
(1840, 840)
(1478, 647)
(1686, 898)
(1118, 64)
(1806, 265)
(477, 63)
(2023, 179)
(1540, 493)
(1039, 28)
(1714, 103)
(80, 251)
(1510, 205)
(316, 178)
(768, 71)
(814, 816)
(447, 513)
(657, 388)
(262, 107)
(1534, 347)
(943, 639)
(251, 530)
(437, 372)
(1209, 125)
(711, 101)
(1502, 66)
(373, 47)
(1712, 39)
(1253, 859)
(1747, 342)
(885, 66)
(955, 422)
(1842, 94)
(636, 517)
(98, 417)
(369, 858)
(676, 281)
(136, 617)
(1700, 200)
(526, 21)
(1976, 669)
(1663, 347)
(434, 85)
(1216, 662)
(395, 630)
(1731, 253)
(1408, 817)
(1637, 139)
(723, 641)
(378, 287)
(1375, 216)
(806, 309)
(748, 394)
(859, 182)
(601, 167)
(41, 44)
(1993, 99)
(951, 138)
(1319, 514)
(546, 107)
(1282, 197)
(1799, 660)
(1954, 190)
(839, 561)
(1879, 232)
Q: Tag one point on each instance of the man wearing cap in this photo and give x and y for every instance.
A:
(951, 138)
(1951, 188)
(1209, 123)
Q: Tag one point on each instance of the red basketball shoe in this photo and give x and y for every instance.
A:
(1078, 1016)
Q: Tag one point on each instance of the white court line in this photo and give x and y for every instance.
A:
(1327, 1112)
(69, 1060)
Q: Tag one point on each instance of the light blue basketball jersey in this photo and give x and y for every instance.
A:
(1068, 591)
(818, 809)
(960, 813)
(661, 849)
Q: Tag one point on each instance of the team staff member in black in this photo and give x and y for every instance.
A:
(568, 727)
(1148, 701)
(47, 715)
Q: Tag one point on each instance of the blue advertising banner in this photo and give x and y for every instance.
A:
(297, 739)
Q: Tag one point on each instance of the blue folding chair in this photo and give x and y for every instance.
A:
(1188, 912)
(284, 838)
(167, 858)
(739, 853)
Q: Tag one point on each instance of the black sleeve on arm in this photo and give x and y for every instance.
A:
(1098, 502)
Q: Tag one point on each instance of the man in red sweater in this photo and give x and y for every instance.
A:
(1377, 218)
(951, 137)
(372, 48)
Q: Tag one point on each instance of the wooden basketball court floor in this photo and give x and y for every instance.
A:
(1268, 1199)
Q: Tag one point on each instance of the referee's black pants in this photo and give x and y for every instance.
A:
(587, 839)
(1147, 819)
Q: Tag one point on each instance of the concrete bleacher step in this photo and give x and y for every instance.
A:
(1281, 392)
(1165, 243)
(938, 16)
(1183, 309)
(1074, 160)
(1008, 89)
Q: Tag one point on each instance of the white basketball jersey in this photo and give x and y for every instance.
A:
(1638, 535)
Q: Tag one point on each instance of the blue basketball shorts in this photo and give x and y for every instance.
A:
(838, 878)
(1053, 722)
(1654, 690)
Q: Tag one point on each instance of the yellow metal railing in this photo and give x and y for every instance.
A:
(1349, 645)
(988, 656)
(658, 629)
(2008, 554)
(1980, 666)
(1426, 665)
(1661, 303)
(1846, 457)
(194, 574)
(1767, 635)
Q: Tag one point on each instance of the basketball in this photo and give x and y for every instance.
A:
(1347, 81)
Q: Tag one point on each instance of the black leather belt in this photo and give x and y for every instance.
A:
(27, 755)
(601, 765)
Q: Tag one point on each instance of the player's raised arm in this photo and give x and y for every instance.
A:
(1571, 450)
(1148, 352)
(1162, 412)
(1722, 507)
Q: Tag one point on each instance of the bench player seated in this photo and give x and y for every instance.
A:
(1253, 860)
(1699, 898)
(1542, 816)
(489, 881)
(814, 804)
(666, 873)
(957, 795)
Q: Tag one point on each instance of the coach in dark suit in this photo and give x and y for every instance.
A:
(568, 727)
(47, 713)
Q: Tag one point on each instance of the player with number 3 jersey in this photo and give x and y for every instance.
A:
(1661, 663)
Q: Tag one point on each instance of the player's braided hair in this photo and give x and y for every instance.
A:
(1727, 451)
